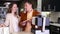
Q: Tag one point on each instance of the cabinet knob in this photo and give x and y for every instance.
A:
(58, 29)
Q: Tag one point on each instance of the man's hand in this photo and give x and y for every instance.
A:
(24, 22)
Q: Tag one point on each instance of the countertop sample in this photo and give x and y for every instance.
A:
(55, 24)
(40, 32)
(5, 30)
(22, 33)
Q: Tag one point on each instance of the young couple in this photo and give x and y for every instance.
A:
(24, 21)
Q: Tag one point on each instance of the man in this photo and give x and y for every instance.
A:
(26, 16)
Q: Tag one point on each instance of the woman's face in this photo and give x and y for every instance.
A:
(14, 8)
(27, 6)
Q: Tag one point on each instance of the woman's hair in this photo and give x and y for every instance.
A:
(10, 8)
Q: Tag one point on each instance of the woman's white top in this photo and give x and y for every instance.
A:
(12, 21)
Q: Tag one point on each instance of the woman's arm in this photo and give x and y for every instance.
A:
(6, 22)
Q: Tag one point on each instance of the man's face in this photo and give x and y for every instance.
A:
(27, 6)
(14, 8)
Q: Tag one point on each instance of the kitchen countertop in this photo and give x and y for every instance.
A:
(22, 33)
(55, 24)
(5, 30)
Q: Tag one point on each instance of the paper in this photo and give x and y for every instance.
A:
(4, 30)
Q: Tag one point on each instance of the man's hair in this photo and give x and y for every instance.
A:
(28, 1)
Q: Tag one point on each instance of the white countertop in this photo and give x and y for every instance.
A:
(5, 30)
(22, 33)
(55, 24)
(44, 32)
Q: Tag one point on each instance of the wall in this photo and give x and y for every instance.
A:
(54, 16)
(39, 3)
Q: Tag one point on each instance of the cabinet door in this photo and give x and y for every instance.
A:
(48, 5)
(54, 29)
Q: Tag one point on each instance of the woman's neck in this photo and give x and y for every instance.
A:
(13, 13)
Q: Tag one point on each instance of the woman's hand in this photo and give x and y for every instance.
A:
(2, 25)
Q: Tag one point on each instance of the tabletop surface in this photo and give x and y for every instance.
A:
(22, 33)
(55, 24)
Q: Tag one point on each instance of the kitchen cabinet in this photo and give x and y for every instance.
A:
(54, 28)
(51, 5)
(3, 11)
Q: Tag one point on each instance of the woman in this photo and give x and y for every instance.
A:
(26, 16)
(12, 18)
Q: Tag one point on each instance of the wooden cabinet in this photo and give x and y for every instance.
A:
(51, 5)
(54, 29)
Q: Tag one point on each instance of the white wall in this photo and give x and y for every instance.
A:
(54, 16)
(39, 5)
